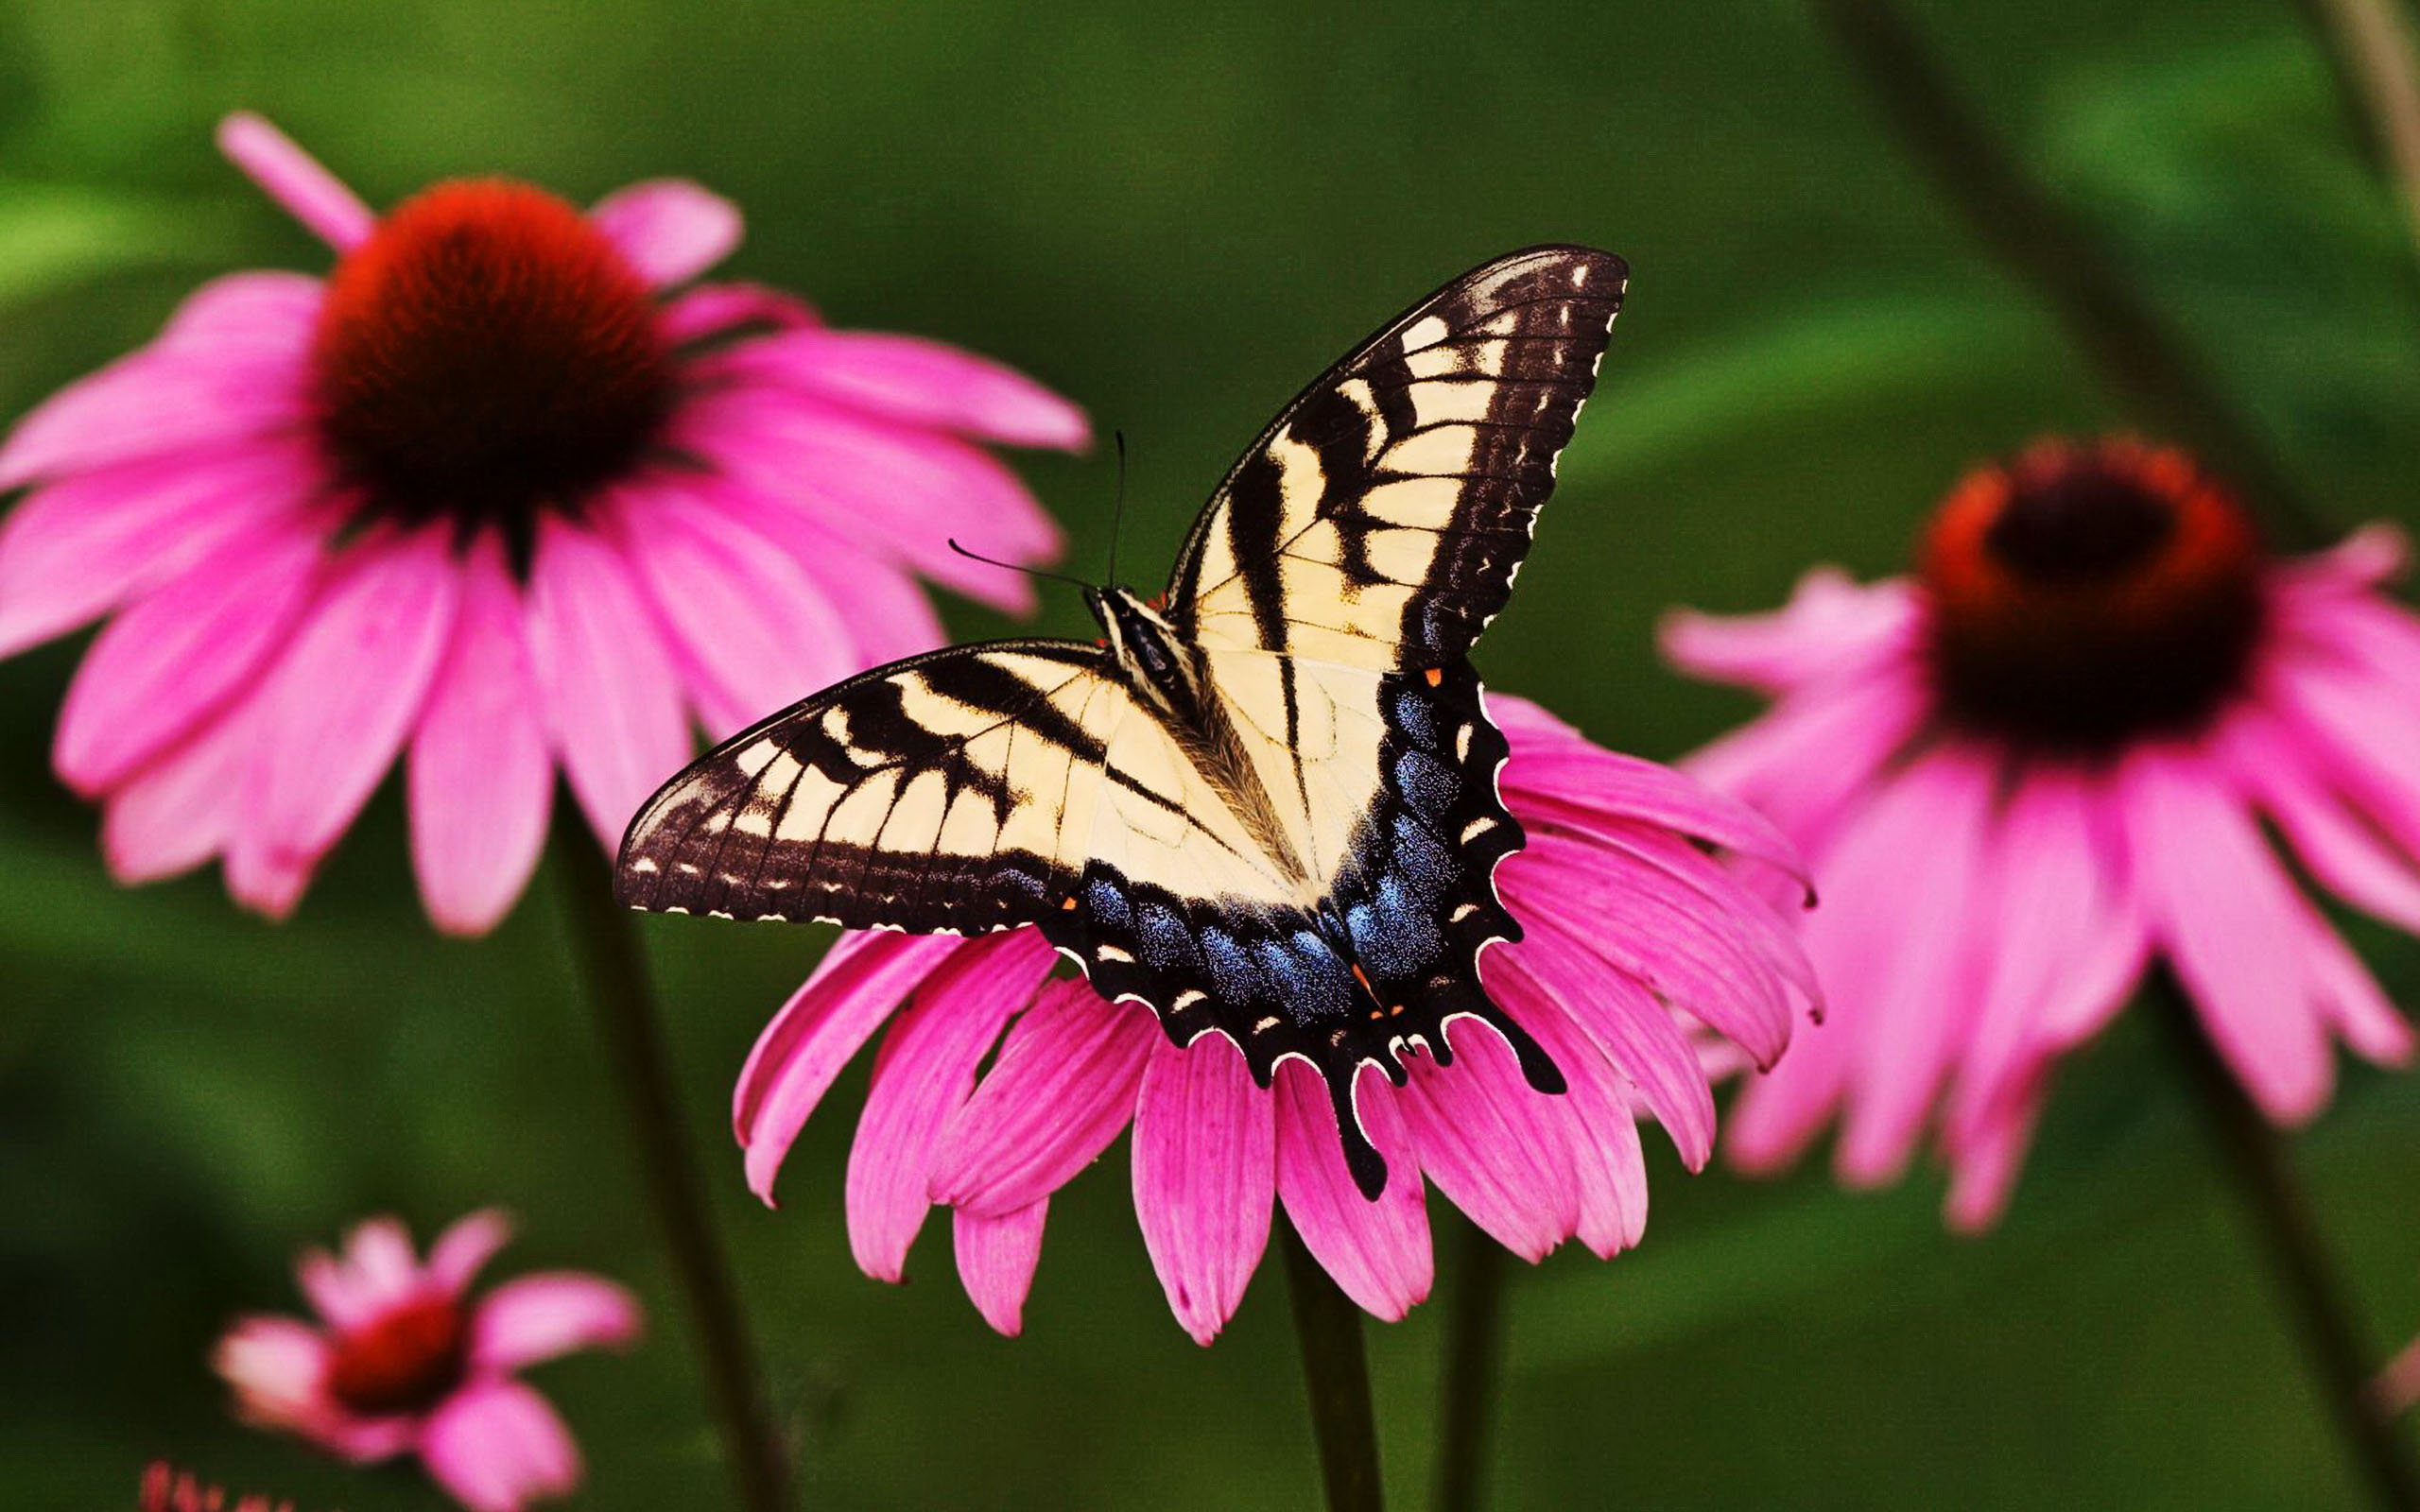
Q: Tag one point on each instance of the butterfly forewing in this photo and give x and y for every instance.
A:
(953, 791)
(1380, 519)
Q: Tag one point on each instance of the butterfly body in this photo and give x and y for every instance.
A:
(1266, 810)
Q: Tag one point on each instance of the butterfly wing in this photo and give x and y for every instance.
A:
(1319, 888)
(1379, 520)
(949, 792)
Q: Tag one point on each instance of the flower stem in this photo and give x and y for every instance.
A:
(1474, 1364)
(2378, 70)
(615, 974)
(1337, 1376)
(2314, 1298)
(2033, 235)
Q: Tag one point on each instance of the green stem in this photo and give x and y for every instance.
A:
(614, 971)
(1336, 1377)
(2040, 243)
(2315, 1299)
(2378, 73)
(1473, 1366)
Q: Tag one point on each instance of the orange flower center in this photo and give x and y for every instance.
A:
(2086, 596)
(487, 353)
(405, 1360)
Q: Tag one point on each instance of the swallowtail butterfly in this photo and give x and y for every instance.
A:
(1264, 806)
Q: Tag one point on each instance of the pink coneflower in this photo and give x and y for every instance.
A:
(1635, 935)
(165, 1488)
(405, 1361)
(491, 492)
(2044, 766)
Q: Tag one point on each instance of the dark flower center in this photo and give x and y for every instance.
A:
(2084, 596)
(486, 354)
(405, 1360)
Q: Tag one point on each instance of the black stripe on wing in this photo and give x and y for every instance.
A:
(1446, 425)
(948, 792)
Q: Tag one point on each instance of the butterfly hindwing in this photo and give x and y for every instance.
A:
(952, 791)
(1385, 796)
(1379, 520)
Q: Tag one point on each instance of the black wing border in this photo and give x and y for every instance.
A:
(1195, 541)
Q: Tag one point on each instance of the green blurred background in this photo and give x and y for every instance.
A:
(1177, 215)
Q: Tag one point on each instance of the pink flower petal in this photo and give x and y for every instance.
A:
(1494, 1146)
(1063, 1087)
(480, 779)
(547, 1313)
(495, 1446)
(2343, 851)
(605, 676)
(1633, 1028)
(82, 546)
(182, 808)
(712, 310)
(341, 699)
(465, 1248)
(2360, 732)
(671, 230)
(886, 610)
(1377, 1251)
(1813, 757)
(2227, 918)
(272, 313)
(1670, 860)
(751, 622)
(1205, 1172)
(379, 1260)
(921, 1075)
(1829, 622)
(913, 382)
(1669, 937)
(2350, 998)
(161, 401)
(1907, 945)
(902, 494)
(168, 663)
(1606, 1158)
(1586, 776)
(860, 980)
(1983, 1166)
(2068, 947)
(995, 1259)
(291, 177)
(276, 1366)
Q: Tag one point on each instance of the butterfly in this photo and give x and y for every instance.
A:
(1262, 805)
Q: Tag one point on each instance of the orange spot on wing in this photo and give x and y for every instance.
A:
(1435, 676)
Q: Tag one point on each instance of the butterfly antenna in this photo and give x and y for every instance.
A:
(1117, 516)
(1014, 567)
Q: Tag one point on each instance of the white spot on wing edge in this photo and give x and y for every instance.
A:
(1426, 332)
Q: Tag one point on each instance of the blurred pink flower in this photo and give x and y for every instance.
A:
(1635, 939)
(490, 493)
(166, 1490)
(2044, 766)
(405, 1361)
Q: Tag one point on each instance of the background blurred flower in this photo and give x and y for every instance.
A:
(489, 491)
(2044, 766)
(166, 1490)
(405, 1361)
(1636, 937)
